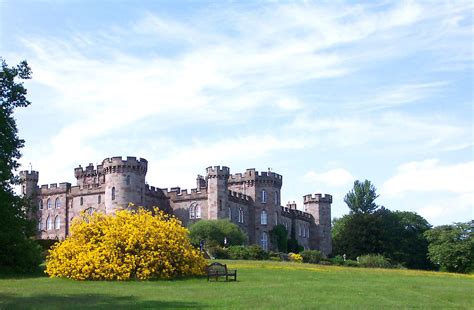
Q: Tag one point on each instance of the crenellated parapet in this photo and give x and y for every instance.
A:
(119, 165)
(317, 198)
(252, 176)
(89, 171)
(30, 176)
(240, 198)
(218, 172)
(55, 188)
(178, 194)
(297, 214)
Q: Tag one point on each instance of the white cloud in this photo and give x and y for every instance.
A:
(334, 178)
(429, 176)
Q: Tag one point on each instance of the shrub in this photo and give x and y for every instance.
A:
(124, 246)
(257, 253)
(374, 261)
(297, 258)
(215, 231)
(337, 260)
(311, 256)
(238, 252)
(218, 252)
(351, 263)
(279, 236)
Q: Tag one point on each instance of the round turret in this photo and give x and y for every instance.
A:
(124, 182)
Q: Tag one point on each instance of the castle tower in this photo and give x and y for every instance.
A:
(124, 182)
(29, 182)
(217, 179)
(319, 207)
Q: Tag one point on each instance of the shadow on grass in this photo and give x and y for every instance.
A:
(89, 301)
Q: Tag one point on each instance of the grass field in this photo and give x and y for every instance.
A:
(260, 285)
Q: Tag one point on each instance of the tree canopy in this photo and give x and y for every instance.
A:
(451, 247)
(18, 252)
(361, 199)
(214, 232)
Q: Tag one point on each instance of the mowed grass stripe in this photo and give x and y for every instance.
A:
(260, 285)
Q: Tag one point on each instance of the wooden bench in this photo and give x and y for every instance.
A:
(217, 270)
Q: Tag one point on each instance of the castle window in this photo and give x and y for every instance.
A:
(286, 225)
(276, 218)
(307, 232)
(57, 203)
(275, 198)
(57, 222)
(40, 225)
(195, 211)
(263, 218)
(81, 201)
(229, 212)
(220, 204)
(99, 199)
(299, 230)
(113, 193)
(41, 204)
(304, 231)
(49, 223)
(128, 180)
(264, 241)
(48, 203)
(141, 195)
(264, 196)
(241, 215)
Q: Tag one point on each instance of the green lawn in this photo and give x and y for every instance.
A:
(261, 284)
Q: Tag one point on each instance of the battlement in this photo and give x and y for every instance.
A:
(89, 171)
(239, 197)
(218, 171)
(293, 213)
(119, 165)
(55, 186)
(255, 176)
(176, 193)
(317, 198)
(29, 175)
(291, 205)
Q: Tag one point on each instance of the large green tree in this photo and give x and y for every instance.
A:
(18, 252)
(214, 232)
(373, 229)
(451, 247)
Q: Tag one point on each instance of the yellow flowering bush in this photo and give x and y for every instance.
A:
(297, 258)
(127, 245)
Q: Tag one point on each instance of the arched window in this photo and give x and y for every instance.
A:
(195, 211)
(57, 203)
(48, 203)
(229, 212)
(99, 199)
(264, 196)
(264, 241)
(304, 231)
(276, 218)
(113, 193)
(49, 223)
(40, 205)
(81, 200)
(40, 225)
(263, 217)
(275, 198)
(128, 180)
(57, 222)
(241, 215)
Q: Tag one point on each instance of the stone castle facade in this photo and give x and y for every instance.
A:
(250, 200)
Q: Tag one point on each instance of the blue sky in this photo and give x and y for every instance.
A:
(323, 93)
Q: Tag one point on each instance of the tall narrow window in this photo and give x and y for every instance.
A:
(241, 215)
(99, 199)
(264, 196)
(195, 211)
(57, 222)
(198, 211)
(263, 218)
(48, 203)
(276, 218)
(229, 213)
(40, 204)
(299, 230)
(57, 203)
(113, 193)
(264, 241)
(81, 200)
(275, 198)
(49, 223)
(141, 195)
(307, 232)
(40, 225)
(128, 180)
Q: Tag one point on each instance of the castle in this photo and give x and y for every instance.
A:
(250, 200)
